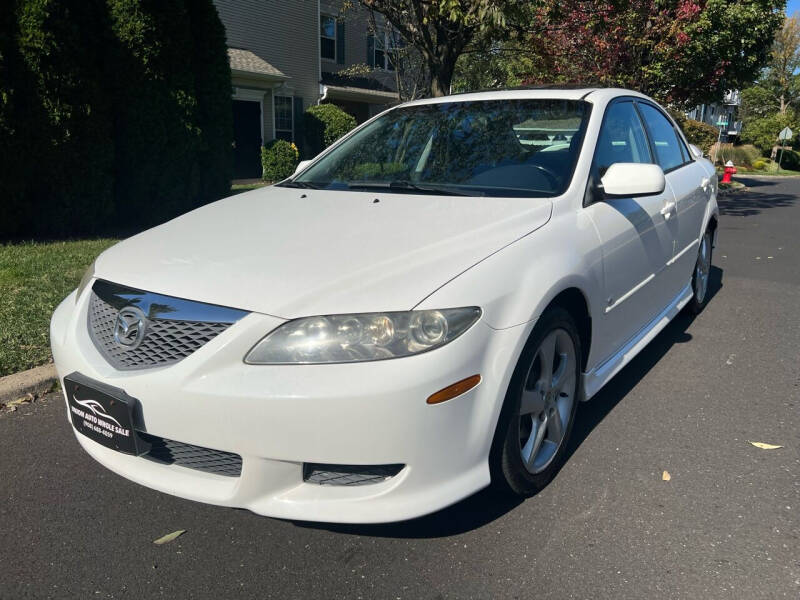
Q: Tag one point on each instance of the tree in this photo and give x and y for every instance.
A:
(763, 133)
(494, 64)
(681, 52)
(784, 62)
(112, 112)
(442, 29)
(770, 105)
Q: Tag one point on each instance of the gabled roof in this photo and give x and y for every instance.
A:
(245, 62)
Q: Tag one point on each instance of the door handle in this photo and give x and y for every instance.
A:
(667, 210)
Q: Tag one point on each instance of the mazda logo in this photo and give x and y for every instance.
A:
(130, 328)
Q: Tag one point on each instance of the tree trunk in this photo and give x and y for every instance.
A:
(442, 75)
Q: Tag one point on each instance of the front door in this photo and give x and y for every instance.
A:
(246, 139)
(637, 234)
(690, 183)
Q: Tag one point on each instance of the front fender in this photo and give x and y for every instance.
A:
(515, 285)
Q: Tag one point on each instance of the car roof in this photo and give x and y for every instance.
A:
(553, 92)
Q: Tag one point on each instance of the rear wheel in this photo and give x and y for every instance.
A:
(701, 275)
(540, 407)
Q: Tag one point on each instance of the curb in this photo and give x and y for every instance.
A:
(32, 382)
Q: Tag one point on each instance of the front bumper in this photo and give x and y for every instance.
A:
(279, 417)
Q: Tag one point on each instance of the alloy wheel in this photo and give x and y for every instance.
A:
(547, 400)
(702, 269)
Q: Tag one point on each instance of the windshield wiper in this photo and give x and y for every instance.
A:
(306, 185)
(403, 185)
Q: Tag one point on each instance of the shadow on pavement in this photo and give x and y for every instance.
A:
(757, 183)
(750, 203)
(593, 412)
(487, 505)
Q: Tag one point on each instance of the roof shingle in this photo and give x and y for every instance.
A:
(246, 61)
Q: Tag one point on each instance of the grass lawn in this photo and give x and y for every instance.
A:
(744, 171)
(34, 278)
(238, 188)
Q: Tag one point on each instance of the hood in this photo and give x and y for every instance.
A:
(290, 252)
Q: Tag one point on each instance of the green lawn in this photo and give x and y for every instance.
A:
(744, 171)
(246, 187)
(34, 278)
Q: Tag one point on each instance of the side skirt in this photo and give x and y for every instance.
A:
(602, 373)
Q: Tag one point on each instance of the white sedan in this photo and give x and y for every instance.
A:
(415, 314)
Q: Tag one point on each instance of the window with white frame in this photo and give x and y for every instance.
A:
(284, 118)
(327, 37)
(386, 45)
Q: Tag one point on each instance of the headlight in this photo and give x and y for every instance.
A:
(362, 337)
(87, 277)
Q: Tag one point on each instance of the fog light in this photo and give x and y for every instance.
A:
(456, 389)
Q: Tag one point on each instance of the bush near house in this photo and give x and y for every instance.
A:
(700, 134)
(112, 112)
(742, 156)
(279, 159)
(324, 124)
(790, 160)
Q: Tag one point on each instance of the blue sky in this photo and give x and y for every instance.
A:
(792, 6)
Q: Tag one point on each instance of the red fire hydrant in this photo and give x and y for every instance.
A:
(729, 170)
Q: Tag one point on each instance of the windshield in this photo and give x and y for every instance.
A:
(485, 148)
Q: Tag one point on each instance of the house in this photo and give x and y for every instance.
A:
(721, 115)
(287, 56)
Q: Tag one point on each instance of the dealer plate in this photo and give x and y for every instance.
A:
(102, 413)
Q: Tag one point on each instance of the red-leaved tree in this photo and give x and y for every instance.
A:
(678, 51)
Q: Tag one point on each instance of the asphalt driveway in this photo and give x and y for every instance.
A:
(726, 525)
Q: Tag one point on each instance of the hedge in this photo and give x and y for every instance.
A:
(742, 156)
(279, 159)
(114, 114)
(323, 125)
(700, 134)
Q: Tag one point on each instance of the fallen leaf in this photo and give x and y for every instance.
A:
(764, 446)
(169, 537)
(665, 476)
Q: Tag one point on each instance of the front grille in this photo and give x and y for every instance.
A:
(168, 338)
(192, 457)
(348, 474)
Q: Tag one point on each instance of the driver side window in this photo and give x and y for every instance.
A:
(622, 139)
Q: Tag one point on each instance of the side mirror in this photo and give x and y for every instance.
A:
(629, 180)
(696, 152)
(301, 165)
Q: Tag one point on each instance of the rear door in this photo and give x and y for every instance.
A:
(637, 234)
(691, 185)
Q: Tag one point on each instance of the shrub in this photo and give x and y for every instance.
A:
(790, 160)
(742, 156)
(324, 124)
(112, 113)
(373, 170)
(760, 165)
(700, 134)
(279, 159)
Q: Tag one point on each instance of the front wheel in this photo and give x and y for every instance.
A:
(701, 275)
(539, 409)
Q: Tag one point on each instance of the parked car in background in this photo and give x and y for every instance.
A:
(415, 314)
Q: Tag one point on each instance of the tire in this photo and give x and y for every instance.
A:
(701, 275)
(522, 463)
